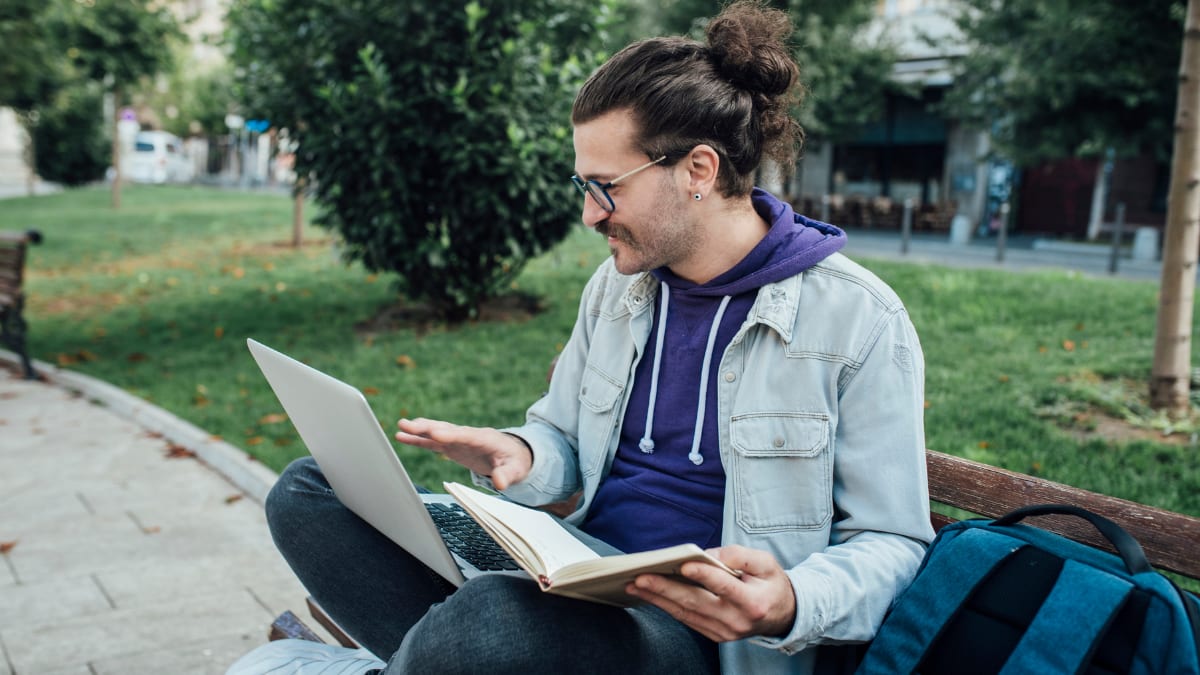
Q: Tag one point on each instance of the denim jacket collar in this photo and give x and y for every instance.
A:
(775, 305)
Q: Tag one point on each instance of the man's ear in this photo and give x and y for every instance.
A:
(703, 164)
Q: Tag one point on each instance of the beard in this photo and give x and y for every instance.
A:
(663, 238)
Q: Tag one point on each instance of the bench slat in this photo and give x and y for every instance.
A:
(11, 260)
(1171, 540)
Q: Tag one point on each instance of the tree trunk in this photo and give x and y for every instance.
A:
(116, 149)
(298, 213)
(1171, 375)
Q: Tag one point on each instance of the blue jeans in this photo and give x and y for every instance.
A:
(397, 607)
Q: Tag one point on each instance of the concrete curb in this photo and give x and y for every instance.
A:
(239, 468)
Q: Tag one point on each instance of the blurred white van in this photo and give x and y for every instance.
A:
(158, 157)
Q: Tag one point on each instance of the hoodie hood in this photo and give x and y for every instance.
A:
(793, 244)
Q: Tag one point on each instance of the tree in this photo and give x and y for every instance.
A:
(1068, 78)
(1171, 374)
(442, 155)
(30, 71)
(116, 43)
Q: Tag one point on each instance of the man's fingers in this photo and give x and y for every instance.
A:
(695, 607)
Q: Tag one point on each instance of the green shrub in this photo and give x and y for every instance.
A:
(69, 143)
(437, 134)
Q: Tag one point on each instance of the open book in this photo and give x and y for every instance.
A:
(562, 564)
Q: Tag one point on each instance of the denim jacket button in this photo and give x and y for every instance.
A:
(730, 377)
(778, 441)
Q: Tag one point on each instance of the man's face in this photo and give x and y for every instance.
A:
(650, 226)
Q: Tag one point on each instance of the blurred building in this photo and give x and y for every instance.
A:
(915, 153)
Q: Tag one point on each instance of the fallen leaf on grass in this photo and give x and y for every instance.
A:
(254, 440)
(405, 361)
(233, 498)
(219, 332)
(176, 451)
(136, 357)
(983, 445)
(1068, 345)
(273, 418)
(6, 546)
(370, 391)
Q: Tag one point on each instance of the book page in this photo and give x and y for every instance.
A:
(554, 546)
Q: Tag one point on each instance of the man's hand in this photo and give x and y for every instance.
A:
(724, 607)
(503, 457)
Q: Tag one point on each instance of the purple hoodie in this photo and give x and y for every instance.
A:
(667, 485)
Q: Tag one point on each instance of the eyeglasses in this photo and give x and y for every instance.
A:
(599, 191)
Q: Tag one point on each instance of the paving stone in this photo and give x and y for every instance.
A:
(51, 600)
(120, 632)
(148, 583)
(208, 657)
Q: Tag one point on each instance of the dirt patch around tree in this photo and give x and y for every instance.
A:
(422, 317)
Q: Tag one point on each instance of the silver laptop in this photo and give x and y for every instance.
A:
(337, 424)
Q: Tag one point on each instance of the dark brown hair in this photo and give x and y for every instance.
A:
(733, 93)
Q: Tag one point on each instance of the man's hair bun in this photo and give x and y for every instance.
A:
(748, 46)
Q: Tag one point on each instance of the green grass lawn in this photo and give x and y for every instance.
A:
(159, 297)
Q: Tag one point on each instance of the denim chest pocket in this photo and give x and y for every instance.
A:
(783, 471)
(599, 396)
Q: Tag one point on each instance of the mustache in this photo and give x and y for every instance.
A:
(608, 229)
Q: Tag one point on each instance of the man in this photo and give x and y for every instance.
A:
(731, 381)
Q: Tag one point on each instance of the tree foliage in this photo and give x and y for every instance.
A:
(118, 42)
(31, 69)
(437, 133)
(1056, 78)
(845, 72)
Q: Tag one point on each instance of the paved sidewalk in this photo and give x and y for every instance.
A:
(1023, 252)
(123, 557)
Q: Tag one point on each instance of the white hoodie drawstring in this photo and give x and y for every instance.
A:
(646, 444)
(695, 455)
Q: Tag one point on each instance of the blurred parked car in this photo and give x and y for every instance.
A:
(158, 157)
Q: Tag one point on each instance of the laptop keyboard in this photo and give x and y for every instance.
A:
(466, 538)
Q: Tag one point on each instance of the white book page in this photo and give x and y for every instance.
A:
(553, 544)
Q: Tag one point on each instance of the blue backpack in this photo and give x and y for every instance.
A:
(1003, 597)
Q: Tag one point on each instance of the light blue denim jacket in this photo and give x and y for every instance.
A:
(821, 436)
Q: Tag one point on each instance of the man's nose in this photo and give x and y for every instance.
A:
(592, 213)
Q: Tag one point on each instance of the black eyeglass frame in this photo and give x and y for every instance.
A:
(599, 191)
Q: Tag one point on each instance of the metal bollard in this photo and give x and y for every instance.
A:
(1118, 232)
(1002, 233)
(906, 226)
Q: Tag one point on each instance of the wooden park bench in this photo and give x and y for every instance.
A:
(1171, 540)
(12, 297)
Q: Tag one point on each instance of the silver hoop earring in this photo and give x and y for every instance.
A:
(697, 196)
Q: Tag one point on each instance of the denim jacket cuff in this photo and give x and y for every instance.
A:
(809, 623)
